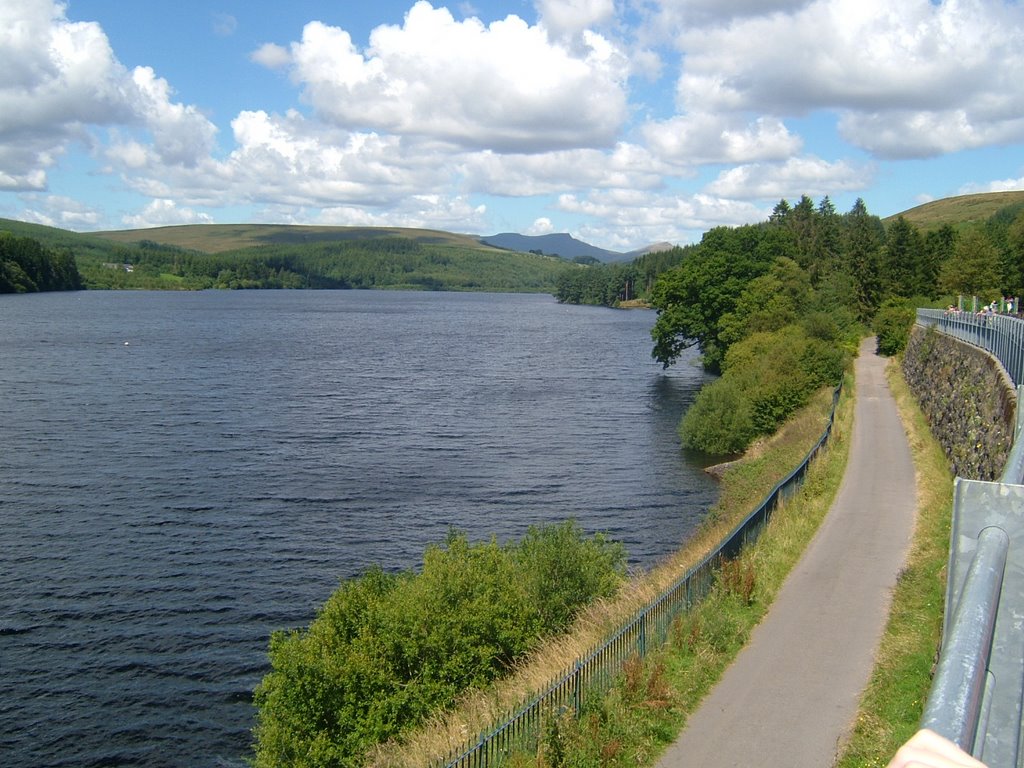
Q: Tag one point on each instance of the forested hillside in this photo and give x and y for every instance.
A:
(26, 267)
(333, 259)
(386, 262)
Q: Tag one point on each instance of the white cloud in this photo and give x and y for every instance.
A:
(998, 185)
(55, 77)
(435, 211)
(541, 226)
(703, 138)
(60, 211)
(795, 177)
(59, 80)
(162, 213)
(505, 86)
(901, 134)
(682, 14)
(271, 56)
(181, 135)
(902, 68)
(316, 164)
(568, 17)
(627, 165)
(224, 24)
(629, 217)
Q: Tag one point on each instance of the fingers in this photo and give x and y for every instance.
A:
(929, 750)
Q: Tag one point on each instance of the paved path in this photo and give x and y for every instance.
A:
(790, 698)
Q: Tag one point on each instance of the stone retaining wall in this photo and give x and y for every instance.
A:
(968, 401)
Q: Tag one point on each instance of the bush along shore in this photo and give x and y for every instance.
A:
(386, 650)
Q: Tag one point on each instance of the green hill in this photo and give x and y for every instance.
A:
(218, 238)
(279, 256)
(294, 256)
(960, 211)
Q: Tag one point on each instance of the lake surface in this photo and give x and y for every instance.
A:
(183, 473)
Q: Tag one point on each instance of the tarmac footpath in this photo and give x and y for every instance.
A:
(790, 698)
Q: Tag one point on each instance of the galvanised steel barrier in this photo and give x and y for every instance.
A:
(975, 699)
(1001, 335)
(1013, 472)
(593, 675)
(976, 695)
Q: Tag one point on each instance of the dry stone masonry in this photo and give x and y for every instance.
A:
(969, 402)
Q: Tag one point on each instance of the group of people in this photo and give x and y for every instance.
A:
(1003, 306)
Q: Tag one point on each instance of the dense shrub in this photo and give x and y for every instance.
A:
(765, 378)
(388, 649)
(892, 327)
(720, 421)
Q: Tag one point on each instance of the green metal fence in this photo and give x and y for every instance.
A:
(594, 674)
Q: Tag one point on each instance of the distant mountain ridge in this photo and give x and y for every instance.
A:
(217, 238)
(558, 244)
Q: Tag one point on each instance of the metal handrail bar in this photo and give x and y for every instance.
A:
(1013, 472)
(954, 707)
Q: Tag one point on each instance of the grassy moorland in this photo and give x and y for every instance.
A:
(960, 211)
(218, 238)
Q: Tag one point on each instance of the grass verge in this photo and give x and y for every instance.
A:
(649, 706)
(892, 704)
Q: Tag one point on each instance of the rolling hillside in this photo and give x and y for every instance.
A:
(960, 211)
(276, 256)
(218, 238)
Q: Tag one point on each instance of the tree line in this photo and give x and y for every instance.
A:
(26, 266)
(777, 307)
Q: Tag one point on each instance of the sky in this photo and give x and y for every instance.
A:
(622, 122)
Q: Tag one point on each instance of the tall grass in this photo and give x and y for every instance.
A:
(646, 710)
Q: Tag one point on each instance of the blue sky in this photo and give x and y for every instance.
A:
(623, 122)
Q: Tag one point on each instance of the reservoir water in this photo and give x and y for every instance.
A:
(183, 473)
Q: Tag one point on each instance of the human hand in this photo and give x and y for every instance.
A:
(926, 749)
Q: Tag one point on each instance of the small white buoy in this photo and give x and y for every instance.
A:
(126, 343)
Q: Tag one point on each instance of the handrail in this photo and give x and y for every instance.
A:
(954, 707)
(977, 694)
(1013, 472)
